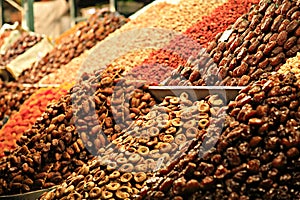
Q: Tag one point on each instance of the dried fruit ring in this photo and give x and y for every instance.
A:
(88, 178)
(164, 124)
(168, 138)
(134, 158)
(171, 130)
(203, 123)
(151, 115)
(103, 181)
(152, 142)
(180, 138)
(153, 131)
(74, 195)
(88, 186)
(177, 122)
(122, 160)
(99, 176)
(184, 96)
(95, 193)
(191, 132)
(112, 166)
(106, 194)
(115, 174)
(215, 100)
(113, 186)
(123, 192)
(122, 195)
(118, 140)
(140, 177)
(127, 167)
(144, 138)
(174, 100)
(165, 147)
(203, 107)
(143, 150)
(126, 177)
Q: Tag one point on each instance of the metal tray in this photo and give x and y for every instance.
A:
(195, 92)
(26, 196)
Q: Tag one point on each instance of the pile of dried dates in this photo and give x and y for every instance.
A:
(97, 27)
(258, 42)
(12, 96)
(255, 157)
(25, 42)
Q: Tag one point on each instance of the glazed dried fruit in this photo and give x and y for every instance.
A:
(256, 155)
(12, 96)
(30, 110)
(46, 154)
(146, 146)
(253, 45)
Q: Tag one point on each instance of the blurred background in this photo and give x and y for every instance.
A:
(62, 14)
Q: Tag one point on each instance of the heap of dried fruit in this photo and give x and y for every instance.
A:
(52, 146)
(255, 157)
(12, 96)
(99, 26)
(30, 110)
(176, 16)
(292, 65)
(124, 165)
(25, 42)
(261, 41)
(224, 15)
(48, 152)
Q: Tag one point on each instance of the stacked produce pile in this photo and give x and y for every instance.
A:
(180, 48)
(106, 104)
(29, 111)
(86, 36)
(167, 17)
(216, 22)
(51, 150)
(12, 96)
(178, 16)
(206, 28)
(292, 65)
(256, 156)
(261, 41)
(25, 42)
(71, 69)
(46, 154)
(123, 167)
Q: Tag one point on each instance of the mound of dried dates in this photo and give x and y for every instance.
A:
(123, 166)
(12, 96)
(260, 41)
(99, 26)
(48, 152)
(25, 42)
(255, 157)
(52, 149)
